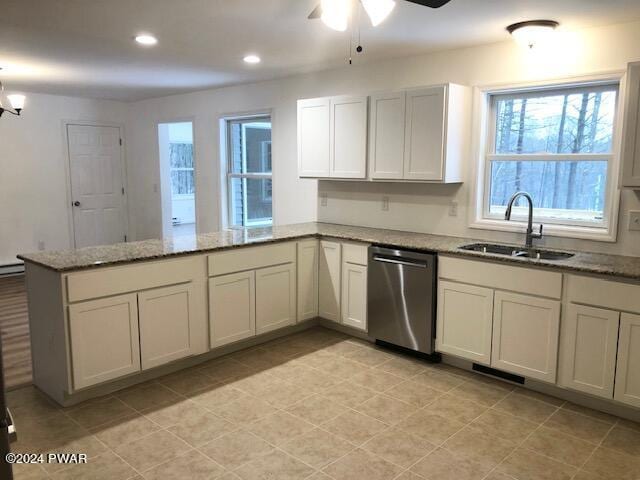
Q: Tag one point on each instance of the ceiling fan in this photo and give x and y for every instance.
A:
(335, 13)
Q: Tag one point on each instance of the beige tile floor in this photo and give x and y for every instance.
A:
(320, 405)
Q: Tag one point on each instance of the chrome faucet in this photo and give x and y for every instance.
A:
(507, 216)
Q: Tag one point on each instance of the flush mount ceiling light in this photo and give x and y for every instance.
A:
(532, 32)
(336, 13)
(146, 39)
(253, 59)
(16, 101)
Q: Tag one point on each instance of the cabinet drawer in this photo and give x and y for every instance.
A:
(503, 277)
(104, 282)
(242, 259)
(355, 253)
(603, 293)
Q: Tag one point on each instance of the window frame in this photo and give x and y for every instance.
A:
(484, 136)
(230, 175)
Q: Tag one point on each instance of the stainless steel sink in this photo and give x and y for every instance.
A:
(515, 251)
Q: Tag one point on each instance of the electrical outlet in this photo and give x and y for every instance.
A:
(634, 220)
(453, 209)
(323, 199)
(41, 245)
(385, 204)
(155, 188)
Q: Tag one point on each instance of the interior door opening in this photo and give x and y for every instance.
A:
(177, 176)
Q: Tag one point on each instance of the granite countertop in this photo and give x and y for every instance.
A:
(121, 253)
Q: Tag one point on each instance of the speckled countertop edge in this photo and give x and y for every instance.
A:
(65, 261)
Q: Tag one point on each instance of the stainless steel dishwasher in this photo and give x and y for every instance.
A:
(401, 298)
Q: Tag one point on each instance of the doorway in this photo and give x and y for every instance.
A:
(97, 181)
(177, 176)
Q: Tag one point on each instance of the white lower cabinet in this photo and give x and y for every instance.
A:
(232, 308)
(167, 318)
(329, 279)
(104, 339)
(627, 388)
(275, 297)
(589, 342)
(465, 316)
(525, 335)
(307, 265)
(354, 296)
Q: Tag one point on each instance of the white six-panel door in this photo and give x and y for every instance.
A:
(464, 324)
(628, 371)
(386, 141)
(329, 268)
(104, 339)
(588, 349)
(525, 335)
(348, 137)
(424, 133)
(97, 185)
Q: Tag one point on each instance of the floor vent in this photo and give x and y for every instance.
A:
(498, 373)
(433, 358)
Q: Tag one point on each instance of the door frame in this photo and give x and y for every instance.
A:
(67, 171)
(191, 119)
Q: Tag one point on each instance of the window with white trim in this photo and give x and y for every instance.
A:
(249, 174)
(557, 144)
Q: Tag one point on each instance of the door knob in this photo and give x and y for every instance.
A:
(76, 203)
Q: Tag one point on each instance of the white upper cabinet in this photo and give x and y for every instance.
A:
(313, 137)
(386, 136)
(416, 135)
(631, 130)
(424, 133)
(348, 140)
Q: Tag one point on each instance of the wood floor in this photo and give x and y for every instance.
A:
(14, 327)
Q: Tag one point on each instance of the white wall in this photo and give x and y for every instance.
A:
(412, 207)
(33, 183)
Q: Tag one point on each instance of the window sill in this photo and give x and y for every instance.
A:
(550, 229)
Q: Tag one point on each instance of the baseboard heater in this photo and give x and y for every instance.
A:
(498, 373)
(11, 269)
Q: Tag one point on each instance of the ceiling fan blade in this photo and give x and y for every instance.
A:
(315, 13)
(430, 3)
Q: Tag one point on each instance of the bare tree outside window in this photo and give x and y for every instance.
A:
(556, 145)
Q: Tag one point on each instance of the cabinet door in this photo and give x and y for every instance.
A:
(465, 316)
(232, 308)
(275, 297)
(167, 316)
(349, 137)
(313, 137)
(354, 296)
(104, 339)
(631, 135)
(525, 335)
(307, 264)
(424, 134)
(386, 136)
(329, 280)
(628, 371)
(588, 349)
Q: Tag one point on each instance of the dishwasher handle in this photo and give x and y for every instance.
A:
(400, 261)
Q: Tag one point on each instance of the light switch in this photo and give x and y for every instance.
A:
(323, 199)
(634, 220)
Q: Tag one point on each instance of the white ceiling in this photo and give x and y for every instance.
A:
(85, 47)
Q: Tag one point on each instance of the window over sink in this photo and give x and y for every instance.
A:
(558, 144)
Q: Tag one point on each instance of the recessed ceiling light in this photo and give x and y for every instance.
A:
(252, 59)
(532, 32)
(146, 39)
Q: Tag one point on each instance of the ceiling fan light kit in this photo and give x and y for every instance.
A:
(532, 32)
